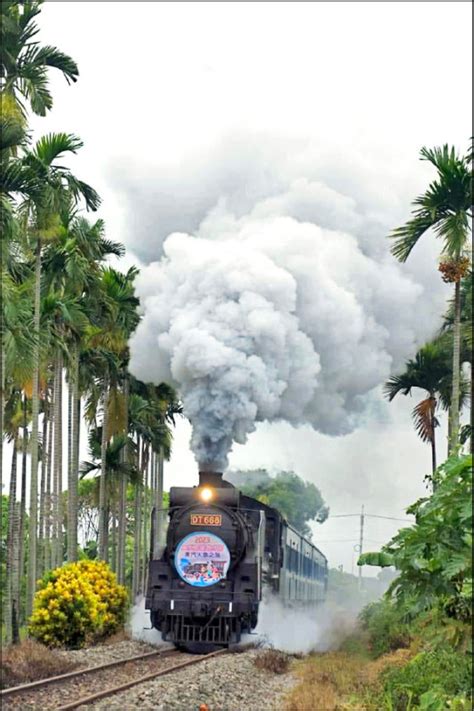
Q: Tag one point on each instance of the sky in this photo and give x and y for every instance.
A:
(197, 114)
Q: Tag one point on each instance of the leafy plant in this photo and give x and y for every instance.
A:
(434, 557)
(428, 678)
(385, 626)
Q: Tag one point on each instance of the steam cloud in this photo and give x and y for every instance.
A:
(139, 625)
(269, 315)
(298, 630)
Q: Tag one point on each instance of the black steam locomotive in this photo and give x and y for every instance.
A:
(222, 550)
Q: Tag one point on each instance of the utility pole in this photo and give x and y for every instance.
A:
(359, 547)
(361, 543)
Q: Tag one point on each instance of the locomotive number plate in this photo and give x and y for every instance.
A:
(205, 520)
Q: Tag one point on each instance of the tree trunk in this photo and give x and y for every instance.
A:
(7, 604)
(153, 476)
(60, 466)
(33, 520)
(146, 499)
(15, 577)
(69, 465)
(113, 537)
(472, 407)
(135, 543)
(122, 530)
(107, 530)
(137, 525)
(122, 516)
(455, 399)
(75, 457)
(2, 394)
(433, 441)
(433, 456)
(48, 492)
(57, 543)
(103, 481)
(44, 474)
(73, 474)
(22, 526)
(159, 524)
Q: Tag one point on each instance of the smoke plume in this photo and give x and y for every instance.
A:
(270, 316)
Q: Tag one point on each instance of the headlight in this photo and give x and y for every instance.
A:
(206, 494)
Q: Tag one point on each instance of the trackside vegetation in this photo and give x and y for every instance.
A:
(413, 648)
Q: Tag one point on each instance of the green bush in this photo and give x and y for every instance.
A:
(386, 629)
(429, 679)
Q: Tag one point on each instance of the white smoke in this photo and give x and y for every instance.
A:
(317, 629)
(270, 316)
(139, 625)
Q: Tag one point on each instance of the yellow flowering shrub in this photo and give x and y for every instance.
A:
(77, 603)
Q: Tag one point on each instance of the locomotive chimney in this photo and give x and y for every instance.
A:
(208, 475)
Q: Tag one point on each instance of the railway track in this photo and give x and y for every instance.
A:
(84, 686)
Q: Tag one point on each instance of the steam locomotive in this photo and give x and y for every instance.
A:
(222, 551)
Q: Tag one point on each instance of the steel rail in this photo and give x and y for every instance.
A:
(123, 687)
(4, 693)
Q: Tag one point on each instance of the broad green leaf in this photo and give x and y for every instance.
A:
(381, 559)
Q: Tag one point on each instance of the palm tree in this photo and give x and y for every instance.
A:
(430, 371)
(446, 208)
(54, 187)
(12, 135)
(71, 267)
(24, 68)
(24, 63)
(114, 313)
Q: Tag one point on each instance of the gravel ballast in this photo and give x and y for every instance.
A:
(69, 690)
(103, 653)
(230, 682)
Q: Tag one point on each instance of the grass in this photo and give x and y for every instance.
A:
(333, 680)
(121, 635)
(30, 661)
(273, 660)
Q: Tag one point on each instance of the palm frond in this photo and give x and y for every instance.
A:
(79, 190)
(53, 57)
(453, 229)
(398, 384)
(424, 419)
(407, 236)
(33, 84)
(53, 145)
